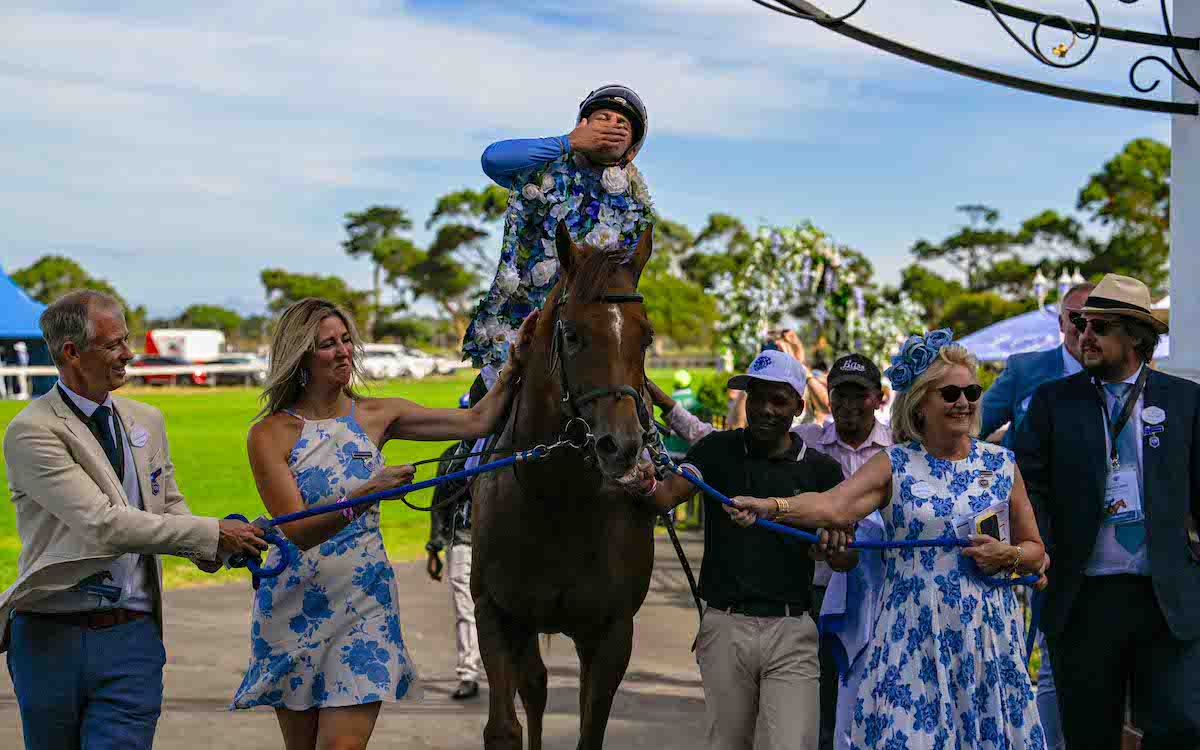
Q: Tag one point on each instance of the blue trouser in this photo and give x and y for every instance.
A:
(1047, 701)
(83, 689)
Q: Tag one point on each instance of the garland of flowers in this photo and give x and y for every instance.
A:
(607, 210)
(789, 268)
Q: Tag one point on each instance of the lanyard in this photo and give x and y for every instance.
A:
(1114, 429)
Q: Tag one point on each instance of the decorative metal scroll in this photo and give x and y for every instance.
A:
(1083, 34)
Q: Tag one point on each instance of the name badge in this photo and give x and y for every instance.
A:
(1122, 497)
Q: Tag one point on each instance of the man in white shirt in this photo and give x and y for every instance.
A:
(94, 492)
(1111, 460)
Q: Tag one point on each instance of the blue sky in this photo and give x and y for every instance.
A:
(176, 149)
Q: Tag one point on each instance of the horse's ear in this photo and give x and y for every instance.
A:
(641, 255)
(565, 247)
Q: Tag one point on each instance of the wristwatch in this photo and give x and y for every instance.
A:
(432, 548)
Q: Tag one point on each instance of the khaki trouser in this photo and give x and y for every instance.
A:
(458, 560)
(761, 679)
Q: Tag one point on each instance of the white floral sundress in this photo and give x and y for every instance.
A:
(945, 668)
(326, 632)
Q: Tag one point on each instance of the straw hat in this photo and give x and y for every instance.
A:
(1121, 295)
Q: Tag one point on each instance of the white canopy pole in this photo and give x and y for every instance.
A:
(1185, 212)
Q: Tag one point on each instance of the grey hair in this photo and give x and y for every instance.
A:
(68, 318)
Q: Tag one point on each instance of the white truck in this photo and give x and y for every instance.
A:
(192, 344)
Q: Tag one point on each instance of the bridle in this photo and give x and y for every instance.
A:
(576, 430)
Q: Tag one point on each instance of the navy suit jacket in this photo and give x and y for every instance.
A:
(1060, 447)
(1009, 397)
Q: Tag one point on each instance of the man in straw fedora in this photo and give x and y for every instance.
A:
(1111, 459)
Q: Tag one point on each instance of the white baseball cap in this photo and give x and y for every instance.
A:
(774, 366)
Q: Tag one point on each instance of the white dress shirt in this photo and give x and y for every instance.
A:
(129, 570)
(825, 439)
(1108, 556)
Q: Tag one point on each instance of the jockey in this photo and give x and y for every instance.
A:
(585, 178)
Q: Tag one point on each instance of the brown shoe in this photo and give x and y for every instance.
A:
(466, 689)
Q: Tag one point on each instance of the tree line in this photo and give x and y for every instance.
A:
(1122, 225)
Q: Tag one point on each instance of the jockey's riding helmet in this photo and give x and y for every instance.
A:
(621, 99)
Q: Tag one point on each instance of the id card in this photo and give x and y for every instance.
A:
(1122, 496)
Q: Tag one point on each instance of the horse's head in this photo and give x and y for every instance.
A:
(601, 334)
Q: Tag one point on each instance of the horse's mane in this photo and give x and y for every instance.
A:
(592, 278)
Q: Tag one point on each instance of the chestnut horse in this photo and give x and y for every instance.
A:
(565, 545)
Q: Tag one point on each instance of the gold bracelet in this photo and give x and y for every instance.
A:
(1017, 563)
(783, 507)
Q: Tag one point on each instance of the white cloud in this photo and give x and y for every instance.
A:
(240, 132)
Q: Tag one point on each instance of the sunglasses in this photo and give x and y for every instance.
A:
(950, 393)
(1101, 327)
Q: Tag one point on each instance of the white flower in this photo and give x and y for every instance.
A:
(606, 215)
(614, 181)
(547, 183)
(503, 334)
(549, 248)
(543, 272)
(507, 280)
(602, 237)
(559, 211)
(532, 192)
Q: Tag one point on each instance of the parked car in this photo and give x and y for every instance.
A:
(416, 363)
(382, 364)
(396, 361)
(196, 377)
(258, 377)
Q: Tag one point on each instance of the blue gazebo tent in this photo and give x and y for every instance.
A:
(19, 315)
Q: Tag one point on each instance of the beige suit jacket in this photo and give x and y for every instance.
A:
(73, 517)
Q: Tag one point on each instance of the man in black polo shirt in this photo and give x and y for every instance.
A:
(757, 645)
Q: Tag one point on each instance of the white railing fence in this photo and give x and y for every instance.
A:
(21, 375)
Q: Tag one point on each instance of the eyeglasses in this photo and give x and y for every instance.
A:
(950, 393)
(1100, 326)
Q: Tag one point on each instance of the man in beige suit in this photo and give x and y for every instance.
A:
(96, 502)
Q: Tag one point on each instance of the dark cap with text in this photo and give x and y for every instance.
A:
(855, 368)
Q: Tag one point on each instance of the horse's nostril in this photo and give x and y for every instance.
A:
(607, 445)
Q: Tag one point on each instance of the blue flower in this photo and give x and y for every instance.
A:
(910, 345)
(937, 339)
(296, 682)
(939, 468)
(316, 604)
(314, 483)
(369, 659)
(319, 693)
(919, 357)
(374, 579)
(900, 375)
(899, 459)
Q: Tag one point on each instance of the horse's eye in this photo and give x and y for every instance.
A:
(570, 335)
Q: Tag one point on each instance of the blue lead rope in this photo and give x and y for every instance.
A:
(239, 561)
(666, 462)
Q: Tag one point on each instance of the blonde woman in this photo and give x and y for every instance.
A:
(946, 662)
(326, 646)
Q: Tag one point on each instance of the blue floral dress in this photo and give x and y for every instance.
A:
(606, 209)
(946, 664)
(327, 632)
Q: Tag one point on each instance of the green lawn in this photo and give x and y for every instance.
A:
(207, 430)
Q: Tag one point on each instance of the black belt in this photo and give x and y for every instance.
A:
(98, 620)
(764, 609)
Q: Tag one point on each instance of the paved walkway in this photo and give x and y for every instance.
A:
(660, 705)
